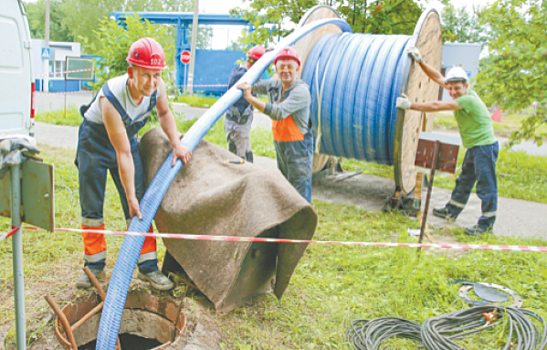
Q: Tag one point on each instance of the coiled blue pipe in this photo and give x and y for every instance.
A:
(355, 80)
(131, 247)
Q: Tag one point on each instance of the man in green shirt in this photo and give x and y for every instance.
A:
(477, 133)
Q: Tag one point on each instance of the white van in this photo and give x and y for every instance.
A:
(16, 79)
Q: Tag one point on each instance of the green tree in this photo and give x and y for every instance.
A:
(36, 15)
(381, 17)
(85, 16)
(114, 42)
(235, 45)
(461, 26)
(364, 16)
(514, 74)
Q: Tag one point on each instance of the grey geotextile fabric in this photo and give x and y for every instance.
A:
(211, 197)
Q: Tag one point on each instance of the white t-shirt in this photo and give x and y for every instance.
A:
(119, 88)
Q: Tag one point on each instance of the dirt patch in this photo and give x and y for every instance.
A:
(202, 330)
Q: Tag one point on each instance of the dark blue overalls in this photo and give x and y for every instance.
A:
(95, 155)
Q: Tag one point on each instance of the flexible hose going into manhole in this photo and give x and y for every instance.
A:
(129, 252)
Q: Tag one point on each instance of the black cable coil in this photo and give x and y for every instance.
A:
(439, 332)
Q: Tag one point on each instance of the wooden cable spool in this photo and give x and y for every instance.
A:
(416, 85)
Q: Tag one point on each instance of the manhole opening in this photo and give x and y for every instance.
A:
(128, 341)
(149, 321)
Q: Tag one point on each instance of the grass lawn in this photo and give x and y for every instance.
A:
(331, 286)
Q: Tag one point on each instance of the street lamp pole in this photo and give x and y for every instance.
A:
(45, 63)
(193, 49)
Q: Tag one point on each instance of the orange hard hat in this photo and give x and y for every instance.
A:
(147, 53)
(288, 52)
(256, 52)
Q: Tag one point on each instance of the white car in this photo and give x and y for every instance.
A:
(16, 79)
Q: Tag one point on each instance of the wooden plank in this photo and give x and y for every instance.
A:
(419, 89)
(304, 47)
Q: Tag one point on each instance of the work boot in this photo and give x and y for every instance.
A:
(444, 213)
(157, 280)
(478, 230)
(84, 282)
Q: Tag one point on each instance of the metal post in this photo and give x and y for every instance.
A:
(45, 64)
(193, 48)
(436, 148)
(17, 247)
(66, 88)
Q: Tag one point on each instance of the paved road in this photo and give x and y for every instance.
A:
(515, 217)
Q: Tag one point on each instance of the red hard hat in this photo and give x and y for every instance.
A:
(146, 53)
(256, 52)
(288, 52)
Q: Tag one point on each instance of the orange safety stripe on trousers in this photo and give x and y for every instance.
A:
(149, 244)
(94, 243)
(286, 130)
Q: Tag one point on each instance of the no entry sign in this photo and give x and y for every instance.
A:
(185, 57)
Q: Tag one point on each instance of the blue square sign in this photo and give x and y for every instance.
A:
(45, 53)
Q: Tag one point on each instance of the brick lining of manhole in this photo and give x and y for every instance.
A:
(145, 315)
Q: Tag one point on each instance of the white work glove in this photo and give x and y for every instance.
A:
(413, 51)
(403, 102)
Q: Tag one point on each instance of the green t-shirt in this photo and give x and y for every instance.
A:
(474, 121)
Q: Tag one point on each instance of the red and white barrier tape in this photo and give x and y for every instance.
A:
(70, 71)
(278, 240)
(5, 235)
(38, 93)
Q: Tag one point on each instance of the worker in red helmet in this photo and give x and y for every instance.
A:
(107, 142)
(289, 109)
(239, 117)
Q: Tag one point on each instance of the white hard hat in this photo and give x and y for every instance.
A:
(457, 74)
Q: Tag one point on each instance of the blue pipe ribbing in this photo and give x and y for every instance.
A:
(129, 252)
(355, 81)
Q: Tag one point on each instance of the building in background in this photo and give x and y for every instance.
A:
(59, 51)
(464, 55)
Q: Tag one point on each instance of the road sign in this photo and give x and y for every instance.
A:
(46, 55)
(185, 57)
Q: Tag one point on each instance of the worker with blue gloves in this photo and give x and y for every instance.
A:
(239, 117)
(107, 142)
(289, 109)
(477, 133)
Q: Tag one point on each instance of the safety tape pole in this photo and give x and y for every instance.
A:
(191, 237)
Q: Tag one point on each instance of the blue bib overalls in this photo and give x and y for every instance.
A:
(95, 156)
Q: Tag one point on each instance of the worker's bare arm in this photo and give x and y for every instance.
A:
(248, 94)
(118, 137)
(434, 106)
(169, 127)
(433, 74)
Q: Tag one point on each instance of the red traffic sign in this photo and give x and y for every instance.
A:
(185, 57)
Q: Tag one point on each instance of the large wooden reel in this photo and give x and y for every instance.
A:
(416, 85)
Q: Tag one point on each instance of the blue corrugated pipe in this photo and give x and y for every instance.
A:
(355, 80)
(129, 252)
